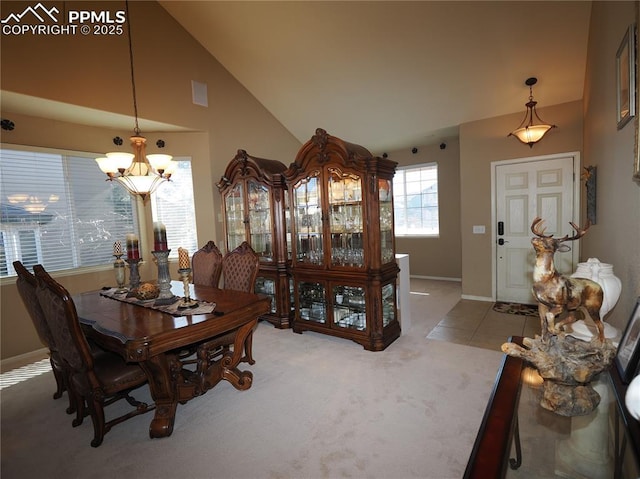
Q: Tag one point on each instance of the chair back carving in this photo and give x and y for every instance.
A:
(240, 268)
(206, 265)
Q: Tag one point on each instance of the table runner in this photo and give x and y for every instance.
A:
(173, 309)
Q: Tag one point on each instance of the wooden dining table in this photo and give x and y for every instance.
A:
(160, 342)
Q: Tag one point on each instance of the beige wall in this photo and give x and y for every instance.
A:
(485, 141)
(94, 72)
(436, 257)
(615, 239)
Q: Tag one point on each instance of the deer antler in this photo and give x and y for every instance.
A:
(535, 228)
(579, 231)
(537, 223)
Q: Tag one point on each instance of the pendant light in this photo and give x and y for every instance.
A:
(529, 132)
(139, 173)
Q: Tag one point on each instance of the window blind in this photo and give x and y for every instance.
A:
(172, 205)
(58, 210)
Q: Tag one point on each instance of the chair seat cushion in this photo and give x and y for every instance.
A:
(115, 374)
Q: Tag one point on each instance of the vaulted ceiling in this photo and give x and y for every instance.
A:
(392, 74)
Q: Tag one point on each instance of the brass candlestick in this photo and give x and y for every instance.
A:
(118, 269)
(187, 302)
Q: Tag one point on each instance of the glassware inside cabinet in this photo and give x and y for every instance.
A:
(308, 220)
(312, 301)
(234, 204)
(345, 218)
(260, 223)
(349, 308)
(266, 286)
(386, 221)
(388, 303)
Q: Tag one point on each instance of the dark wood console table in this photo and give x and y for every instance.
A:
(543, 443)
(154, 340)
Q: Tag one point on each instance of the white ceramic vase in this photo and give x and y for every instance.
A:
(601, 273)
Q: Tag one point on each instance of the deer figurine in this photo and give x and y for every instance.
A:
(557, 294)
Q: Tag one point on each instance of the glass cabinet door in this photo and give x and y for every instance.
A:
(234, 203)
(308, 220)
(312, 301)
(386, 221)
(260, 224)
(267, 286)
(349, 310)
(388, 303)
(345, 218)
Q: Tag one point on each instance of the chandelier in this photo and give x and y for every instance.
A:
(139, 173)
(528, 132)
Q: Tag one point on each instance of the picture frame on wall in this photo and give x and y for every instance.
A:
(636, 153)
(628, 350)
(626, 78)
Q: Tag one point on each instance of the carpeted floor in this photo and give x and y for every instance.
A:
(516, 308)
(319, 407)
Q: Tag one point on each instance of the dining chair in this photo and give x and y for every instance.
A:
(240, 268)
(206, 265)
(239, 271)
(26, 283)
(95, 382)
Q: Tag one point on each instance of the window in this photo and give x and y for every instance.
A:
(172, 205)
(57, 210)
(415, 197)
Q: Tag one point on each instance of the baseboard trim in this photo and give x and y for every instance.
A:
(437, 278)
(20, 360)
(477, 298)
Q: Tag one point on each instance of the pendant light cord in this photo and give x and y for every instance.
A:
(133, 82)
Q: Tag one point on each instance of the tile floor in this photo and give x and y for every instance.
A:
(463, 321)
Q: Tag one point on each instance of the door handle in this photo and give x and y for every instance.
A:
(501, 241)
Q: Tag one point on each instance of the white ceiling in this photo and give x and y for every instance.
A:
(390, 74)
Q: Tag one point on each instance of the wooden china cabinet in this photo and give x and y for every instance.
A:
(254, 203)
(343, 251)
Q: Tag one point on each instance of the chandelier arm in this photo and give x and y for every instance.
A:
(535, 112)
(526, 121)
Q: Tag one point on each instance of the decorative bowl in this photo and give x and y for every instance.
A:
(146, 291)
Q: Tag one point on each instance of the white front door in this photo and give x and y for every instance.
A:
(523, 190)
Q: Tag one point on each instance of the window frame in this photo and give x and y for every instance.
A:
(397, 203)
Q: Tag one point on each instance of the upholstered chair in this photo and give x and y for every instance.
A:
(94, 382)
(206, 265)
(240, 268)
(26, 284)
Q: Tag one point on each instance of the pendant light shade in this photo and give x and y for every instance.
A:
(532, 129)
